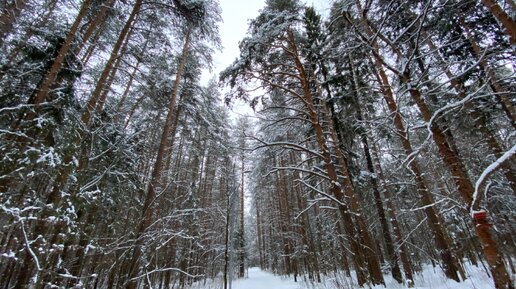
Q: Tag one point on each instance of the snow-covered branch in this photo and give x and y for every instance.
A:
(491, 169)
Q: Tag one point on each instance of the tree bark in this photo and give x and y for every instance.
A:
(154, 185)
(8, 17)
(392, 256)
(332, 174)
(464, 187)
(112, 73)
(501, 93)
(100, 86)
(42, 92)
(396, 226)
(505, 20)
(241, 272)
(259, 233)
(100, 17)
(449, 263)
(368, 247)
(477, 118)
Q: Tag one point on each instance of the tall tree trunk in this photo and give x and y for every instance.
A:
(93, 26)
(477, 118)
(396, 226)
(330, 168)
(64, 173)
(306, 231)
(242, 194)
(375, 273)
(391, 254)
(259, 233)
(505, 20)
(450, 264)
(226, 242)
(8, 16)
(464, 187)
(501, 93)
(112, 73)
(368, 247)
(154, 185)
(393, 257)
(101, 82)
(283, 209)
(51, 76)
(85, 58)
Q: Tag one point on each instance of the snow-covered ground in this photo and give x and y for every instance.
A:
(259, 279)
(430, 278)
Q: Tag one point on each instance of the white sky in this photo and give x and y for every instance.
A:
(235, 16)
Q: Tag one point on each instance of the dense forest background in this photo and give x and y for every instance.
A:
(383, 140)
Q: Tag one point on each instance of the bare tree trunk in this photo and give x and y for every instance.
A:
(368, 247)
(8, 16)
(259, 233)
(330, 168)
(172, 139)
(505, 20)
(100, 17)
(85, 58)
(154, 185)
(477, 118)
(283, 209)
(100, 86)
(501, 93)
(42, 93)
(242, 194)
(226, 241)
(112, 73)
(449, 262)
(393, 257)
(396, 226)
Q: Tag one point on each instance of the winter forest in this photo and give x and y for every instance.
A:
(380, 151)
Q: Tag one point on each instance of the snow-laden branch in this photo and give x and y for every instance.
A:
(300, 170)
(288, 118)
(423, 207)
(284, 144)
(437, 114)
(29, 249)
(491, 169)
(18, 134)
(94, 181)
(419, 20)
(164, 270)
(20, 106)
(15, 212)
(313, 203)
(450, 106)
(301, 112)
(321, 192)
(278, 86)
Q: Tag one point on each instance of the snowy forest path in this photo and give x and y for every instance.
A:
(259, 279)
